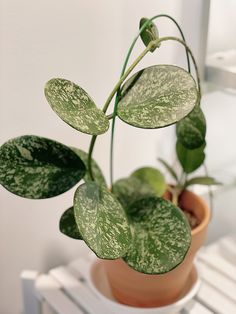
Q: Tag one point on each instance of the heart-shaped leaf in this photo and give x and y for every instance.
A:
(37, 167)
(150, 32)
(101, 221)
(157, 97)
(191, 130)
(152, 177)
(202, 181)
(161, 236)
(74, 106)
(68, 225)
(97, 172)
(129, 190)
(190, 159)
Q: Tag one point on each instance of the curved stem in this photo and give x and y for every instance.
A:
(115, 89)
(122, 72)
(191, 54)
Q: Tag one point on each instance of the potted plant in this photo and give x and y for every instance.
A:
(129, 223)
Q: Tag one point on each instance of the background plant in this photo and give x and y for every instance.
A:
(131, 220)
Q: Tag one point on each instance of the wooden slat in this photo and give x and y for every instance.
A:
(227, 248)
(31, 302)
(195, 307)
(50, 290)
(78, 291)
(215, 300)
(219, 263)
(218, 280)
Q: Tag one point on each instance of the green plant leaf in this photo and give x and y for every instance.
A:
(101, 220)
(68, 225)
(97, 172)
(149, 33)
(37, 167)
(190, 159)
(157, 96)
(202, 181)
(169, 169)
(152, 177)
(191, 130)
(74, 106)
(128, 190)
(161, 236)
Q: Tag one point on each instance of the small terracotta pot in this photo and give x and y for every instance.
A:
(140, 290)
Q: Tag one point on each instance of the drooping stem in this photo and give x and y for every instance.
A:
(122, 72)
(115, 89)
(191, 54)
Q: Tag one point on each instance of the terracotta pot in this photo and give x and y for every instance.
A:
(136, 289)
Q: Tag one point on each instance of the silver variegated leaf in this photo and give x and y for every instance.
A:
(161, 236)
(149, 33)
(37, 167)
(68, 225)
(152, 177)
(129, 190)
(191, 130)
(190, 159)
(97, 172)
(101, 221)
(157, 96)
(74, 106)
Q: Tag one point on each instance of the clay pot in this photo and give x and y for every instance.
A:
(140, 290)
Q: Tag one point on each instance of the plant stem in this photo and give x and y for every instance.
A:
(115, 89)
(122, 72)
(191, 54)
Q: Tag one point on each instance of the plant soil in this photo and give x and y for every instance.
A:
(192, 219)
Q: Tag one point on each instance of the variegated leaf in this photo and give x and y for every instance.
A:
(157, 97)
(102, 221)
(37, 167)
(152, 177)
(190, 159)
(97, 172)
(68, 225)
(161, 236)
(149, 33)
(74, 106)
(129, 190)
(191, 130)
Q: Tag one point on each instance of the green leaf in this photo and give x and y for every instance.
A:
(37, 167)
(68, 225)
(102, 221)
(191, 130)
(161, 236)
(149, 33)
(169, 169)
(97, 172)
(152, 177)
(129, 190)
(190, 159)
(74, 106)
(202, 181)
(157, 96)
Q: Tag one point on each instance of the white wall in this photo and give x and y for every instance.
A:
(222, 26)
(84, 41)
